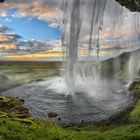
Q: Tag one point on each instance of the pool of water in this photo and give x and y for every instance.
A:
(92, 103)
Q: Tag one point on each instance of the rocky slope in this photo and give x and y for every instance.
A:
(132, 5)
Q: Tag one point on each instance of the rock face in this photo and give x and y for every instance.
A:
(2, 0)
(126, 65)
(115, 67)
(132, 5)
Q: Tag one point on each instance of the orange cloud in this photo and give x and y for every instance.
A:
(4, 37)
(8, 46)
(40, 9)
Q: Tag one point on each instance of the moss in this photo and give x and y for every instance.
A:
(10, 107)
(135, 114)
(135, 87)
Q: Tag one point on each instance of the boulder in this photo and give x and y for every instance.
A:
(12, 108)
(134, 87)
(52, 114)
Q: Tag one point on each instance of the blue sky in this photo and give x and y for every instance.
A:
(31, 28)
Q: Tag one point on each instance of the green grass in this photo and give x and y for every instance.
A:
(15, 127)
(39, 130)
(135, 114)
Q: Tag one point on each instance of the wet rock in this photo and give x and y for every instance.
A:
(68, 97)
(2, 1)
(134, 87)
(59, 119)
(115, 67)
(52, 114)
(21, 100)
(38, 80)
(132, 5)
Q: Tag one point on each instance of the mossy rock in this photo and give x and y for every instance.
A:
(10, 107)
(135, 87)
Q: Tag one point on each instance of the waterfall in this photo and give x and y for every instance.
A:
(73, 20)
(91, 19)
(134, 66)
(72, 39)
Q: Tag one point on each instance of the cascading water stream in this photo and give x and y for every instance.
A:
(73, 20)
(72, 49)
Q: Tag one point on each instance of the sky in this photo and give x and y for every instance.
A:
(31, 30)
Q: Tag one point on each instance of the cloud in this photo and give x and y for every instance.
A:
(33, 46)
(42, 9)
(8, 40)
(13, 42)
(3, 29)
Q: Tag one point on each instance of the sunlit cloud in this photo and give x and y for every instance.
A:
(8, 46)
(42, 9)
(32, 46)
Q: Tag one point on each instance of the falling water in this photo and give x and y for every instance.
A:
(86, 18)
(134, 66)
(72, 39)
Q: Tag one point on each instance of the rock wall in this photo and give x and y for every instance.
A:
(132, 5)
